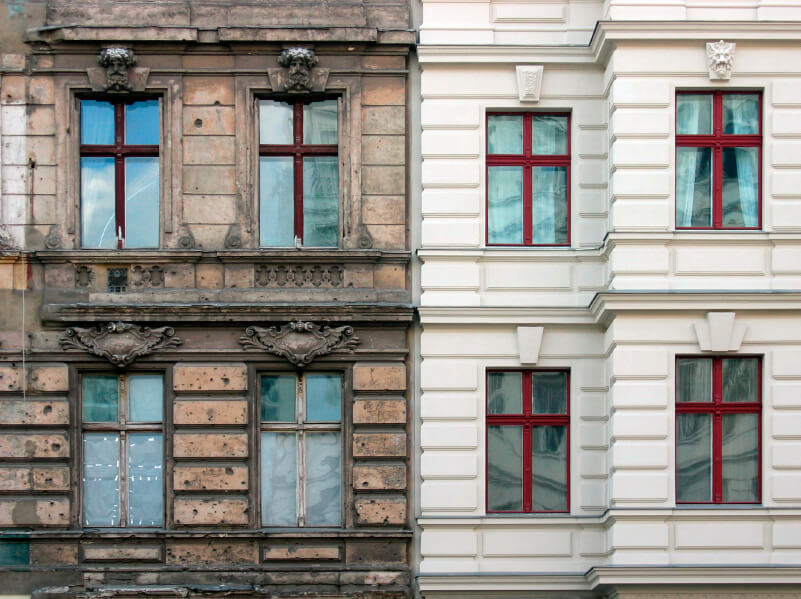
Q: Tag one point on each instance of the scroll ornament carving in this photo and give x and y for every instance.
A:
(721, 57)
(143, 276)
(119, 342)
(299, 342)
(300, 275)
(117, 61)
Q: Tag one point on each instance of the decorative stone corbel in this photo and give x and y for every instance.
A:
(529, 340)
(53, 238)
(298, 74)
(720, 332)
(117, 74)
(720, 56)
(233, 240)
(299, 342)
(119, 342)
(529, 82)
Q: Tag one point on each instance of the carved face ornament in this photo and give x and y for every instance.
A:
(117, 61)
(299, 63)
(721, 55)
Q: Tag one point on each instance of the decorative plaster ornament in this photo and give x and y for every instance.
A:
(298, 74)
(721, 57)
(119, 342)
(529, 82)
(117, 61)
(299, 342)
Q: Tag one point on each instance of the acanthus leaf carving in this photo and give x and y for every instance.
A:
(119, 342)
(299, 342)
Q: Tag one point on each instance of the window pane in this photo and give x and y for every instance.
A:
(276, 201)
(278, 398)
(741, 114)
(323, 479)
(100, 399)
(98, 227)
(323, 398)
(97, 122)
(320, 201)
(549, 468)
(275, 122)
(505, 204)
(505, 469)
(740, 187)
(142, 123)
(145, 479)
(14, 554)
(694, 114)
(142, 202)
(694, 458)
(693, 379)
(320, 122)
(505, 390)
(548, 134)
(693, 187)
(279, 479)
(505, 134)
(146, 398)
(101, 479)
(549, 204)
(740, 457)
(549, 392)
(741, 379)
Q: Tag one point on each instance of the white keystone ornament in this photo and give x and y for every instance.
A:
(720, 56)
(529, 83)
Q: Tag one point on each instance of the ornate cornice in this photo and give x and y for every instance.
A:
(119, 342)
(299, 342)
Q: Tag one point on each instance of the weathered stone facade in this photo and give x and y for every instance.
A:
(183, 309)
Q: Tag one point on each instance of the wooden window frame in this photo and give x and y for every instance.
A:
(119, 150)
(717, 407)
(527, 421)
(297, 151)
(300, 427)
(122, 427)
(717, 141)
(527, 160)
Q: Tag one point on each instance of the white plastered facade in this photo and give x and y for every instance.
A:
(615, 308)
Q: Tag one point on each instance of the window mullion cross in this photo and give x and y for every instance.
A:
(298, 169)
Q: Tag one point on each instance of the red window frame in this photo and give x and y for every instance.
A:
(717, 407)
(527, 160)
(119, 151)
(717, 141)
(527, 420)
(297, 150)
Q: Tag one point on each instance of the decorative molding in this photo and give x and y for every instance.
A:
(84, 276)
(300, 275)
(53, 238)
(117, 74)
(233, 240)
(299, 342)
(529, 340)
(144, 276)
(721, 56)
(720, 332)
(529, 82)
(298, 74)
(119, 342)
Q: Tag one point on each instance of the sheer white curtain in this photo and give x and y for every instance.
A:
(687, 120)
(745, 119)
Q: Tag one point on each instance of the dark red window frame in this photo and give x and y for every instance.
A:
(717, 407)
(717, 141)
(527, 160)
(527, 420)
(297, 151)
(119, 151)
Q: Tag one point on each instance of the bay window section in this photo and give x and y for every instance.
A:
(718, 411)
(122, 450)
(718, 160)
(119, 171)
(528, 179)
(298, 173)
(301, 449)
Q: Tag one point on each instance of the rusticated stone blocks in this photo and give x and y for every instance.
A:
(210, 445)
(372, 477)
(381, 510)
(34, 412)
(369, 377)
(212, 552)
(208, 377)
(379, 445)
(53, 554)
(29, 511)
(210, 478)
(301, 552)
(211, 512)
(210, 412)
(20, 445)
(379, 411)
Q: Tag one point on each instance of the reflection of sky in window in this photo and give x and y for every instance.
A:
(142, 202)
(142, 123)
(97, 202)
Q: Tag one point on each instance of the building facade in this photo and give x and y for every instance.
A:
(609, 382)
(204, 367)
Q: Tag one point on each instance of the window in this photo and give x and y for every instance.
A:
(718, 427)
(527, 441)
(718, 160)
(119, 174)
(528, 175)
(301, 450)
(298, 173)
(123, 453)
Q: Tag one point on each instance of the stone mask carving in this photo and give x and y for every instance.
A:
(117, 61)
(721, 56)
(299, 63)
